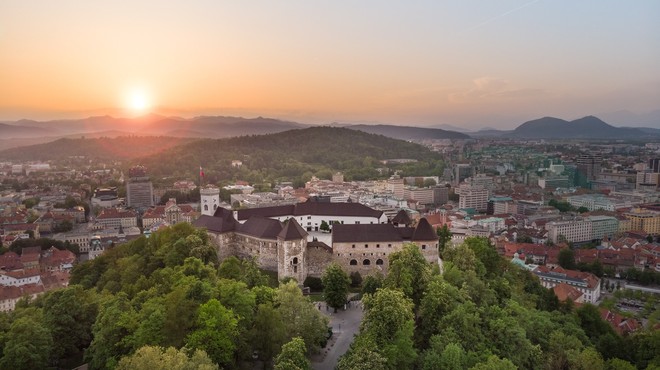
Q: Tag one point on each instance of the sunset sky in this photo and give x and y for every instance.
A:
(465, 63)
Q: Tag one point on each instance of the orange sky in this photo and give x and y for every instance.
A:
(477, 63)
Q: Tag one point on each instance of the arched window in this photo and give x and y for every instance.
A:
(353, 262)
(366, 262)
(295, 260)
(215, 206)
(206, 207)
(379, 261)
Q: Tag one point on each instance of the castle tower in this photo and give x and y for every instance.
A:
(210, 199)
(292, 252)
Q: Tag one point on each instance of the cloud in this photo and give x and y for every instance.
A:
(489, 87)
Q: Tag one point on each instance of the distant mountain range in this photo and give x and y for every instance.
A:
(589, 127)
(28, 132)
(152, 124)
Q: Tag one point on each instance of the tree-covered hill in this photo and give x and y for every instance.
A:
(482, 312)
(165, 291)
(293, 155)
(288, 155)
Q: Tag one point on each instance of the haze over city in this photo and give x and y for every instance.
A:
(469, 64)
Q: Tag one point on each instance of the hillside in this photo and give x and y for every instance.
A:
(589, 127)
(290, 154)
(409, 133)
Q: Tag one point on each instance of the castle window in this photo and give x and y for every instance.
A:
(353, 245)
(389, 245)
(377, 245)
(379, 261)
(295, 260)
(206, 207)
(366, 245)
(366, 262)
(353, 262)
(423, 246)
(215, 206)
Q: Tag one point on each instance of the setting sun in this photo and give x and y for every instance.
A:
(138, 101)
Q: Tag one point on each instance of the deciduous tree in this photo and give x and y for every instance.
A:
(335, 286)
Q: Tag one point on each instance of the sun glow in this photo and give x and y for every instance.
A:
(138, 101)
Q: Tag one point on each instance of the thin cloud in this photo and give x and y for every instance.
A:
(489, 87)
(491, 19)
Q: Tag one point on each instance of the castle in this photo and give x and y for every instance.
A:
(278, 237)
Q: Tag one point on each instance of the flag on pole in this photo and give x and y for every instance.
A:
(201, 171)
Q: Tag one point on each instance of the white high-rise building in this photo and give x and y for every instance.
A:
(473, 196)
(210, 199)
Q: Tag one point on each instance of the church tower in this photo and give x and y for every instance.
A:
(292, 252)
(210, 199)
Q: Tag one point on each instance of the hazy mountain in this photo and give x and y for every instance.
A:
(409, 133)
(23, 129)
(490, 133)
(589, 127)
(448, 127)
(152, 124)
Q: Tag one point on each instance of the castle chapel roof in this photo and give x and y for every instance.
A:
(311, 208)
(261, 227)
(364, 233)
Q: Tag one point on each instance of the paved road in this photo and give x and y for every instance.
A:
(345, 325)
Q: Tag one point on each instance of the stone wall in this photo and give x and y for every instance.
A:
(318, 258)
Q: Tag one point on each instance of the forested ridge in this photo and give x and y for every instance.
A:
(164, 300)
(483, 312)
(165, 291)
(293, 155)
(286, 155)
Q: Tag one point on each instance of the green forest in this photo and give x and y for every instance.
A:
(164, 291)
(284, 156)
(166, 302)
(294, 156)
(483, 312)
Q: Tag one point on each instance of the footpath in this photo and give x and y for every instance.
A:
(345, 325)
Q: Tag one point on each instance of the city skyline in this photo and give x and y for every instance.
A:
(468, 64)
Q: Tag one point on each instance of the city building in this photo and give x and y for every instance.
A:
(588, 168)
(169, 214)
(396, 187)
(114, 218)
(644, 219)
(105, 197)
(139, 189)
(576, 231)
(461, 172)
(473, 196)
(603, 227)
(585, 282)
